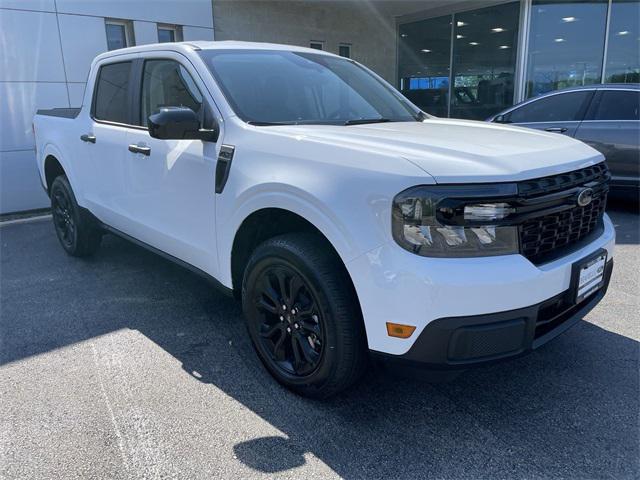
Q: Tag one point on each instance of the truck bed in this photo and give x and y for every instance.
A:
(60, 112)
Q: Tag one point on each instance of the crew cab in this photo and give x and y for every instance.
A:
(351, 225)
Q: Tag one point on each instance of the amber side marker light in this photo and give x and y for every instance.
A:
(399, 330)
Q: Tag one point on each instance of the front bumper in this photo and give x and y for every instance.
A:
(461, 342)
(437, 294)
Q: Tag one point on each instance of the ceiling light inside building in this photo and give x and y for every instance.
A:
(461, 24)
(558, 40)
(497, 29)
(569, 19)
(503, 47)
(624, 32)
(474, 43)
(404, 35)
(425, 50)
(459, 36)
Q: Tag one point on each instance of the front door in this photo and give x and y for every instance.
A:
(169, 189)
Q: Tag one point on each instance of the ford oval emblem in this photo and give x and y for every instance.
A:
(585, 196)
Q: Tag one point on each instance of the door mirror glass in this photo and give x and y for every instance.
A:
(179, 123)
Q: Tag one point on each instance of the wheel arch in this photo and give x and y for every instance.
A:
(52, 169)
(54, 163)
(267, 223)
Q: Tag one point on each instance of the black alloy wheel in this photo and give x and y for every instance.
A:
(303, 315)
(291, 330)
(76, 229)
(63, 218)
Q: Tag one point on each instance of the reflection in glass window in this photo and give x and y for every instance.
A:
(423, 62)
(623, 52)
(618, 105)
(118, 34)
(561, 107)
(484, 61)
(166, 83)
(112, 93)
(266, 86)
(566, 44)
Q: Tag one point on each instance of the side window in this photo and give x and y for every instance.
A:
(618, 105)
(564, 107)
(166, 83)
(111, 98)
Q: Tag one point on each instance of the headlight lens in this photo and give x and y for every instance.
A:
(456, 221)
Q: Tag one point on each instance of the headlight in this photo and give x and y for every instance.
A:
(456, 221)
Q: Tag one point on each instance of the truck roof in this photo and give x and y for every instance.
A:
(208, 45)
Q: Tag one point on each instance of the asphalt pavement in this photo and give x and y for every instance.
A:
(127, 366)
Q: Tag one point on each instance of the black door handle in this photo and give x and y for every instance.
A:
(87, 137)
(556, 129)
(138, 149)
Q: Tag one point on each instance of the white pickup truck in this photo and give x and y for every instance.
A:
(351, 224)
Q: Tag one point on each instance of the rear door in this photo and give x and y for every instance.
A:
(560, 113)
(169, 185)
(104, 141)
(612, 126)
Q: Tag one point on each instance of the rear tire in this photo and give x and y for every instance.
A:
(303, 315)
(76, 228)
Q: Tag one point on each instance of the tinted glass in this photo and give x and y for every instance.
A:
(484, 61)
(112, 93)
(566, 44)
(563, 107)
(166, 83)
(278, 86)
(424, 55)
(623, 52)
(116, 36)
(618, 105)
(344, 51)
(166, 35)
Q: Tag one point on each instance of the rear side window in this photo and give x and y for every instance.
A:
(564, 107)
(111, 100)
(618, 105)
(166, 83)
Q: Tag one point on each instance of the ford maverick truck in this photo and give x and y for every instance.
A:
(351, 225)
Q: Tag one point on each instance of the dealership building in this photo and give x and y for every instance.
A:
(453, 58)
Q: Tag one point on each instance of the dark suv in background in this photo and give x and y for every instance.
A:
(607, 117)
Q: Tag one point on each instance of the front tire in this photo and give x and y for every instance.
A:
(76, 229)
(303, 316)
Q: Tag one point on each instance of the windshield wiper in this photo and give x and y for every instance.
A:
(269, 124)
(361, 121)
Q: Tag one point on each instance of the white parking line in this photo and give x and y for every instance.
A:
(25, 220)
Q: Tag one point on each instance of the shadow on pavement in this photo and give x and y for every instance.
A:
(625, 217)
(568, 410)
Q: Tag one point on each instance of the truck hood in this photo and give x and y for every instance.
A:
(461, 151)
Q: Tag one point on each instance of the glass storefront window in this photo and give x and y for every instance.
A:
(566, 44)
(623, 46)
(423, 61)
(484, 61)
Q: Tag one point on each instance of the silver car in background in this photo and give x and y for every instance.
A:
(607, 117)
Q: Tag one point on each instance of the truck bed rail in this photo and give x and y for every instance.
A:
(60, 112)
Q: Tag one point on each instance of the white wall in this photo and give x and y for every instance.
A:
(46, 48)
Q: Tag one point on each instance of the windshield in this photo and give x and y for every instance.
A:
(267, 87)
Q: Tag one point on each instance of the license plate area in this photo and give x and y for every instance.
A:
(588, 275)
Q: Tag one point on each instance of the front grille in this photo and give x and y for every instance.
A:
(541, 186)
(543, 238)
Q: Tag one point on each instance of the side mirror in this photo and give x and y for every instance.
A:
(179, 123)
(501, 119)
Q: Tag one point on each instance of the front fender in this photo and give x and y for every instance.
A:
(285, 197)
